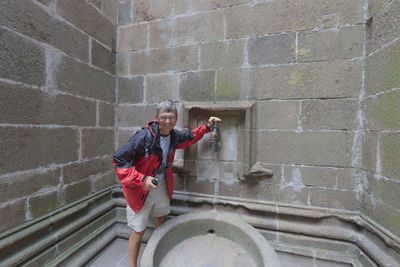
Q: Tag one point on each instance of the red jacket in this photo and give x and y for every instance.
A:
(141, 156)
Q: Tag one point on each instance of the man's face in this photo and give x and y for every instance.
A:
(166, 121)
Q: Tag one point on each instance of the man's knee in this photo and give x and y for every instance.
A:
(137, 235)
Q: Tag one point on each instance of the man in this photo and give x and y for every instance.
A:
(144, 167)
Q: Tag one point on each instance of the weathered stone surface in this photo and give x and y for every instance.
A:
(383, 111)
(199, 186)
(36, 147)
(87, 18)
(369, 149)
(330, 198)
(163, 60)
(23, 105)
(179, 182)
(103, 181)
(335, 114)
(42, 204)
(385, 190)
(340, 43)
(313, 148)
(43, 258)
(12, 214)
(29, 19)
(374, 6)
(79, 171)
(97, 3)
(311, 176)
(230, 189)
(291, 259)
(327, 263)
(272, 49)
(384, 27)
(224, 54)
(106, 114)
(21, 60)
(197, 86)
(97, 142)
(23, 185)
(110, 11)
(282, 115)
(185, 6)
(160, 88)
(229, 84)
(132, 37)
(308, 80)
(132, 115)
(145, 10)
(102, 57)
(382, 70)
(47, 2)
(124, 135)
(122, 64)
(188, 30)
(124, 9)
(130, 90)
(390, 156)
(260, 18)
(76, 191)
(78, 78)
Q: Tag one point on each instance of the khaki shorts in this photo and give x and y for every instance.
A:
(156, 205)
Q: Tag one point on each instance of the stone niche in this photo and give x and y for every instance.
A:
(236, 156)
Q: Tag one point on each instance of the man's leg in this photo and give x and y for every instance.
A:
(134, 246)
(159, 220)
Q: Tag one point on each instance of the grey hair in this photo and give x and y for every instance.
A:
(167, 105)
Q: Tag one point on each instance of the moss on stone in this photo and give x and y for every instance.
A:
(390, 155)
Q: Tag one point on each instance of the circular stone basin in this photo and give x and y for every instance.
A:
(208, 239)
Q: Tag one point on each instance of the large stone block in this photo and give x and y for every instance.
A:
(42, 204)
(36, 147)
(24, 105)
(385, 27)
(199, 186)
(97, 142)
(291, 259)
(103, 181)
(334, 114)
(78, 78)
(130, 90)
(21, 60)
(261, 18)
(161, 87)
(185, 6)
(382, 69)
(224, 54)
(145, 10)
(124, 9)
(79, 171)
(19, 186)
(132, 37)
(106, 115)
(340, 43)
(187, 30)
(29, 19)
(124, 135)
(110, 11)
(163, 60)
(97, 3)
(76, 191)
(282, 115)
(272, 49)
(308, 80)
(384, 189)
(390, 156)
(374, 6)
(312, 148)
(229, 83)
(331, 198)
(311, 176)
(12, 214)
(87, 18)
(383, 111)
(197, 86)
(369, 151)
(132, 115)
(102, 57)
(122, 64)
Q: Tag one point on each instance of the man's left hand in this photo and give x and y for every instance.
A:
(212, 120)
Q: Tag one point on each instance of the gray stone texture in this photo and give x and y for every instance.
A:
(135, 115)
(81, 79)
(21, 60)
(189, 6)
(369, 150)
(390, 156)
(103, 181)
(124, 9)
(229, 83)
(383, 111)
(382, 69)
(223, 54)
(22, 105)
(42, 204)
(342, 43)
(12, 214)
(131, 90)
(331, 198)
(97, 142)
(162, 60)
(334, 114)
(29, 19)
(87, 18)
(188, 30)
(102, 57)
(110, 11)
(308, 80)
(78, 171)
(197, 86)
(97, 3)
(311, 176)
(384, 189)
(35, 147)
(375, 6)
(384, 27)
(161, 87)
(146, 10)
(272, 49)
(199, 186)
(313, 148)
(122, 64)
(281, 115)
(106, 115)
(132, 37)
(76, 191)
(291, 259)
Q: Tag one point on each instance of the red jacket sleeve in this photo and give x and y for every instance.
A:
(190, 138)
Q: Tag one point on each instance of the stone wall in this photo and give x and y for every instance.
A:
(57, 86)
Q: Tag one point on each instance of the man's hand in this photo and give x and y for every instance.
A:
(148, 185)
(212, 120)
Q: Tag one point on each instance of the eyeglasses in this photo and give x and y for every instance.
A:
(165, 118)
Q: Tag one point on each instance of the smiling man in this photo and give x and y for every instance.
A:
(144, 167)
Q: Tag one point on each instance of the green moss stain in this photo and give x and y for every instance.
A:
(390, 155)
(387, 110)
